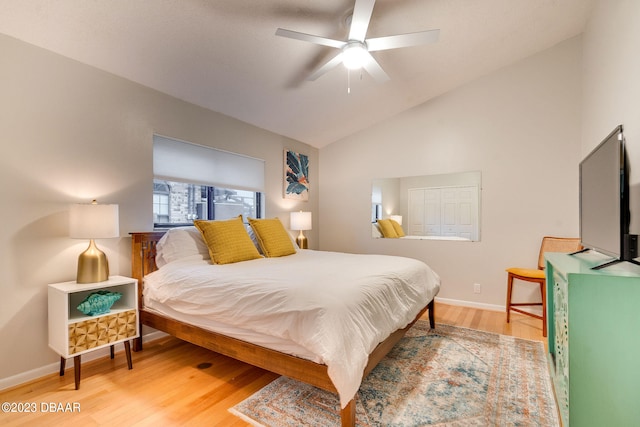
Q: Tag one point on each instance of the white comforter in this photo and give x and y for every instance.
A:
(338, 306)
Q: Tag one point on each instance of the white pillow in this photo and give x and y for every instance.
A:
(254, 238)
(178, 243)
(375, 230)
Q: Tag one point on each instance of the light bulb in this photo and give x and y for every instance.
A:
(354, 55)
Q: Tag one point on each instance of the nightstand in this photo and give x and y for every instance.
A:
(73, 333)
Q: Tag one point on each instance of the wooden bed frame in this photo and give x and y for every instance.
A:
(143, 253)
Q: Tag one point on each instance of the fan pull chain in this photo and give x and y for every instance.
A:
(349, 80)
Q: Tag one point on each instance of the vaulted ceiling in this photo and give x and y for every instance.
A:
(224, 55)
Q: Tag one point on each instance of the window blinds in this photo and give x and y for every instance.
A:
(175, 160)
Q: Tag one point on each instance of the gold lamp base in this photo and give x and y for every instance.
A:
(92, 265)
(301, 240)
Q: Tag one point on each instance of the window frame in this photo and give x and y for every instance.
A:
(257, 211)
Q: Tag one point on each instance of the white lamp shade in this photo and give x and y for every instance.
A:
(396, 218)
(300, 221)
(93, 221)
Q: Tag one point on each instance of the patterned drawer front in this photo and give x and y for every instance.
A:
(561, 316)
(101, 330)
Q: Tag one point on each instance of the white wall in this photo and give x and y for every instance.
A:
(71, 133)
(611, 84)
(519, 126)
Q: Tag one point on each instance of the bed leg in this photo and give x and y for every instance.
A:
(348, 414)
(432, 315)
(137, 344)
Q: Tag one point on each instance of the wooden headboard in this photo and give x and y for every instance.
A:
(143, 256)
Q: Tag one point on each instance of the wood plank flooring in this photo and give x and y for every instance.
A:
(491, 321)
(174, 383)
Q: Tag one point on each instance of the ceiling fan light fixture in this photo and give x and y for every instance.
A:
(354, 55)
(355, 52)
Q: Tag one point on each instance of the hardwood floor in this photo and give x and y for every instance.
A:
(491, 321)
(174, 383)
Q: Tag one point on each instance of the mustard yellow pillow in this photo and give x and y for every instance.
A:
(272, 237)
(397, 227)
(387, 229)
(227, 240)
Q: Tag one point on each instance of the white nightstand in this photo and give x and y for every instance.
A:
(72, 333)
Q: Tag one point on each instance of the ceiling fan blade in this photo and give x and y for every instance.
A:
(326, 67)
(374, 69)
(309, 38)
(402, 40)
(360, 19)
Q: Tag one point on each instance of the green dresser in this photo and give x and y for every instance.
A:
(593, 317)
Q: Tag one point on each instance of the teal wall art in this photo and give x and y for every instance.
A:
(296, 175)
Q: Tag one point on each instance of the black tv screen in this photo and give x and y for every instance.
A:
(604, 205)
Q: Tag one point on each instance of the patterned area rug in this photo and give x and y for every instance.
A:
(449, 376)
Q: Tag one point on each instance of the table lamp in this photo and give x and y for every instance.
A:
(301, 221)
(93, 221)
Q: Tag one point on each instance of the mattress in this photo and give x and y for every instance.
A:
(328, 307)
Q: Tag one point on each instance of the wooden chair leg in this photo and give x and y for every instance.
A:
(509, 291)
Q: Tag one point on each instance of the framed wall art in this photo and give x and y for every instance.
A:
(296, 175)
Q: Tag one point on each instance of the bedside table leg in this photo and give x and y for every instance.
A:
(63, 363)
(127, 350)
(111, 352)
(76, 370)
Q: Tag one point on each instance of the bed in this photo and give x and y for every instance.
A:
(304, 332)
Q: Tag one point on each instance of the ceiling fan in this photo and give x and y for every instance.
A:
(355, 52)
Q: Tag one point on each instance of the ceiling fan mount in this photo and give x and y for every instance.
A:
(355, 52)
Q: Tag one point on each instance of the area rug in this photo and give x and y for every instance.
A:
(448, 376)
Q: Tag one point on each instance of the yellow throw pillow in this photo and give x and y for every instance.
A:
(397, 227)
(227, 240)
(272, 237)
(387, 229)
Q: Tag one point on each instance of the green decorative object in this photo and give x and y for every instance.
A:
(98, 302)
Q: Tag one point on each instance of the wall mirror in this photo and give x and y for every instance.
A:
(429, 207)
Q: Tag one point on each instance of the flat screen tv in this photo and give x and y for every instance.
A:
(604, 197)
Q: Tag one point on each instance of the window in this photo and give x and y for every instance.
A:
(376, 211)
(197, 182)
(178, 203)
(376, 203)
(160, 202)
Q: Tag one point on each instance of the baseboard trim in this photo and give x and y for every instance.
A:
(34, 374)
(480, 305)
